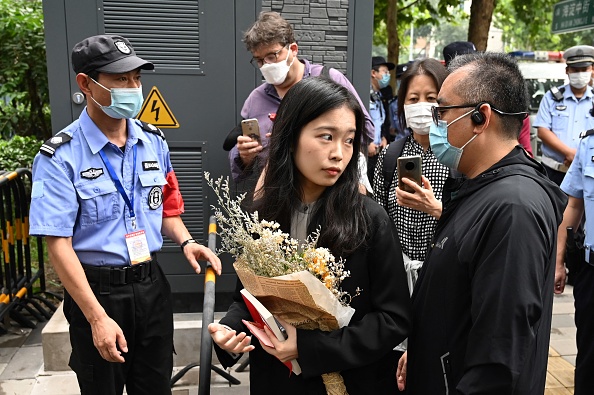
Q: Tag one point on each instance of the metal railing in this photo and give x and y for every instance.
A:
(16, 272)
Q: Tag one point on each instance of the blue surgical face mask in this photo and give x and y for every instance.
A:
(445, 153)
(384, 81)
(125, 102)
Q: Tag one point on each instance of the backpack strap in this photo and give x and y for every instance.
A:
(392, 153)
(325, 72)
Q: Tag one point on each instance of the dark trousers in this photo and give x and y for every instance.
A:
(583, 293)
(144, 312)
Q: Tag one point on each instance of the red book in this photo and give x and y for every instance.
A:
(262, 316)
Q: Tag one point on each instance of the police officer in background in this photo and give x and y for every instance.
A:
(565, 112)
(397, 131)
(579, 186)
(456, 48)
(103, 193)
(378, 109)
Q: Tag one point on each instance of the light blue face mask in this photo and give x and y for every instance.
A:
(125, 102)
(385, 81)
(445, 153)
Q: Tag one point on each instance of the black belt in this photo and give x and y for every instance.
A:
(120, 275)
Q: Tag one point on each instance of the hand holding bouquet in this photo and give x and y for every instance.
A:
(298, 283)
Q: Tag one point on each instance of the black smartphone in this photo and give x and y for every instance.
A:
(282, 329)
(409, 167)
(251, 128)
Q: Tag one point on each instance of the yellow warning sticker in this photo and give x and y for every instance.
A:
(155, 111)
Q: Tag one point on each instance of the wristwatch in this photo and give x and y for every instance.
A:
(185, 243)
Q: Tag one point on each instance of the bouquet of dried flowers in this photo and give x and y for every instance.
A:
(265, 255)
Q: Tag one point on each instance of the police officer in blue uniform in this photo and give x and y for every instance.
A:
(579, 185)
(104, 192)
(565, 112)
(397, 131)
(380, 79)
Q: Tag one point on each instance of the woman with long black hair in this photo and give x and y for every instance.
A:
(312, 180)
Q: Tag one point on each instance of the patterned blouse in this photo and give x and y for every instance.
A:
(415, 228)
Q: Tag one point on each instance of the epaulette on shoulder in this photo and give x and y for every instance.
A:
(557, 93)
(147, 127)
(49, 147)
(587, 133)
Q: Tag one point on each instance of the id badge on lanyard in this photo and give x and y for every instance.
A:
(136, 241)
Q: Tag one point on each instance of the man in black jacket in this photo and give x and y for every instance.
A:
(483, 303)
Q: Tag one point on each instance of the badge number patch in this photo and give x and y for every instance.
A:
(91, 173)
(150, 165)
(155, 198)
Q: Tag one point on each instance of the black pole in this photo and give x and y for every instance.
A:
(207, 314)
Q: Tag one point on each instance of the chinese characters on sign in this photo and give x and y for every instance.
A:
(573, 15)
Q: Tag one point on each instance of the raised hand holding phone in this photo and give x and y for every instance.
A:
(251, 128)
(249, 144)
(422, 198)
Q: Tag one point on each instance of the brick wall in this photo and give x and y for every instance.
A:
(321, 28)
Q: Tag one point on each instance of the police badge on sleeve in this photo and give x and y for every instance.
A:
(155, 198)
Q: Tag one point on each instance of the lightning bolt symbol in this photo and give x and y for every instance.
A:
(155, 110)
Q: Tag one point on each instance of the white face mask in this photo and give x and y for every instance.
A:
(276, 73)
(580, 80)
(418, 117)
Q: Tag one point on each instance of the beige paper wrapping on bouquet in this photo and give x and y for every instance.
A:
(302, 300)
(299, 298)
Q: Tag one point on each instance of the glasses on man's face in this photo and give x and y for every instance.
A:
(437, 111)
(268, 59)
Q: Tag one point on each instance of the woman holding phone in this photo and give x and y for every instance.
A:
(311, 182)
(414, 213)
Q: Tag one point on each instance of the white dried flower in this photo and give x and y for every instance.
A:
(267, 250)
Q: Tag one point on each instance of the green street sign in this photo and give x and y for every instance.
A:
(573, 15)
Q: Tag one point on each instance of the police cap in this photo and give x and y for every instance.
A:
(579, 56)
(456, 48)
(401, 68)
(106, 54)
(381, 61)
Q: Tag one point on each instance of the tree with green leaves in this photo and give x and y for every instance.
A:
(24, 93)
(393, 17)
(481, 13)
(526, 24)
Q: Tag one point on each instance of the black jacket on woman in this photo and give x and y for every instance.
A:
(361, 351)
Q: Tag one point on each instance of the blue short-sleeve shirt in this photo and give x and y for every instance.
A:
(579, 183)
(378, 115)
(74, 196)
(566, 118)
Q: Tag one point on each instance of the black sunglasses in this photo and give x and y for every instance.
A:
(436, 110)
